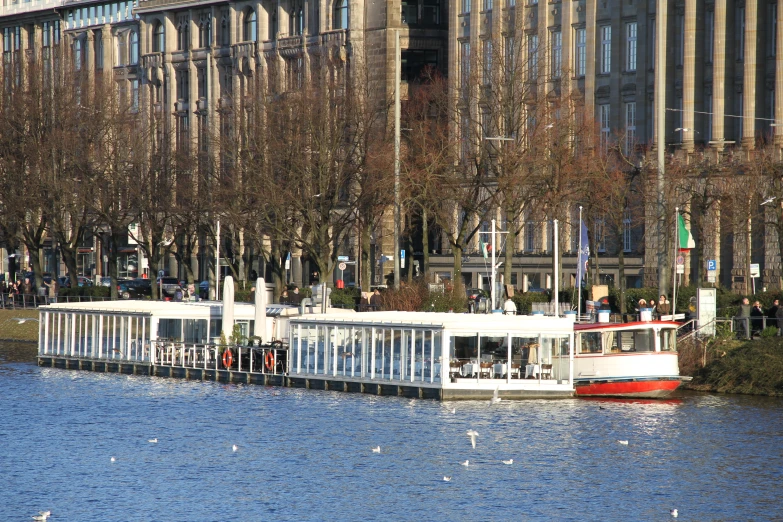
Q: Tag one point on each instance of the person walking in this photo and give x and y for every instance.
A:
(510, 307)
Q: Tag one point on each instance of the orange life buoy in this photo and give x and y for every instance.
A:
(269, 361)
(228, 358)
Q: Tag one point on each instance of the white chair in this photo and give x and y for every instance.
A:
(546, 371)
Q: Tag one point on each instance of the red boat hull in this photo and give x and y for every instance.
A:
(632, 388)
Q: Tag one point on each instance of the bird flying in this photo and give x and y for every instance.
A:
(472, 434)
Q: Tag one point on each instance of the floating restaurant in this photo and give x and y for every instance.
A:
(430, 355)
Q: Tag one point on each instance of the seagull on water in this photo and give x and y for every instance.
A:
(453, 410)
(40, 517)
(376, 449)
(495, 399)
(446, 479)
(45, 513)
(508, 462)
(623, 442)
(466, 463)
(234, 448)
(153, 441)
(472, 434)
(113, 459)
(674, 513)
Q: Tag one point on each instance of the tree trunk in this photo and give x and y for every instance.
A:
(69, 259)
(425, 244)
(456, 250)
(621, 273)
(365, 262)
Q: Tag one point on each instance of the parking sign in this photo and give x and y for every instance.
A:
(711, 264)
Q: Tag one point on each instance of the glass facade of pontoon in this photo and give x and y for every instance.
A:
(92, 335)
(369, 352)
(419, 353)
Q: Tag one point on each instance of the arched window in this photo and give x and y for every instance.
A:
(340, 18)
(120, 50)
(134, 47)
(251, 28)
(77, 54)
(158, 38)
(183, 34)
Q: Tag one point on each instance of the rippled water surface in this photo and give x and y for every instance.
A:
(306, 455)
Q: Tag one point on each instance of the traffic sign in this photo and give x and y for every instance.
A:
(754, 270)
(680, 268)
(341, 266)
(342, 258)
(680, 260)
(711, 264)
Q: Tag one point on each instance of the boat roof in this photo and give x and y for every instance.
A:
(455, 323)
(168, 309)
(634, 325)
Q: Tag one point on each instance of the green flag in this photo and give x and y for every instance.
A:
(686, 240)
(483, 247)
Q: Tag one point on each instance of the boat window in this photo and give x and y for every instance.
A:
(170, 329)
(616, 342)
(644, 341)
(669, 340)
(465, 347)
(590, 342)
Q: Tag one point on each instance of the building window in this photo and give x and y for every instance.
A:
(487, 5)
(340, 19)
(709, 36)
(225, 27)
(46, 37)
(606, 49)
(530, 236)
(430, 12)
(298, 21)
(532, 57)
(119, 45)
(465, 138)
(630, 127)
(580, 53)
(557, 53)
(708, 110)
(77, 54)
(487, 69)
(465, 6)
(603, 112)
(739, 37)
(134, 47)
(98, 51)
(183, 34)
(651, 53)
(627, 230)
(205, 32)
(772, 37)
(251, 27)
(599, 234)
(510, 56)
(134, 95)
(630, 36)
(465, 63)
(159, 38)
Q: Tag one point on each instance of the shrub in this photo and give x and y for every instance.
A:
(769, 331)
(524, 301)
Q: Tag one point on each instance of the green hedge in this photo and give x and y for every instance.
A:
(86, 291)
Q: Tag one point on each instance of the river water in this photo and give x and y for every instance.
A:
(306, 455)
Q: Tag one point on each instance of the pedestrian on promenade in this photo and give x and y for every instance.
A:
(284, 299)
(510, 307)
(757, 315)
(664, 306)
(772, 314)
(295, 298)
(375, 300)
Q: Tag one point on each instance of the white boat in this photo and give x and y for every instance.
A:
(637, 359)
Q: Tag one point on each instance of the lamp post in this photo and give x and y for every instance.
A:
(661, 12)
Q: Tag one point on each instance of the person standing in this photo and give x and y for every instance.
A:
(772, 314)
(295, 298)
(743, 318)
(375, 301)
(664, 306)
(510, 307)
(756, 320)
(252, 294)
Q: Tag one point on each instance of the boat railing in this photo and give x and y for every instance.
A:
(263, 359)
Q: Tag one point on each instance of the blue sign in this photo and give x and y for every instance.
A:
(711, 264)
(402, 254)
(342, 258)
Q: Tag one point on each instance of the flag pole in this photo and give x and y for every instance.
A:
(676, 254)
(579, 269)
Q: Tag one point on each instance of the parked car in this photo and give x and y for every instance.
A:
(65, 281)
(169, 285)
(135, 288)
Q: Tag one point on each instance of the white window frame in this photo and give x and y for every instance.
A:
(630, 127)
(557, 53)
(631, 47)
(580, 50)
(604, 114)
(606, 49)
